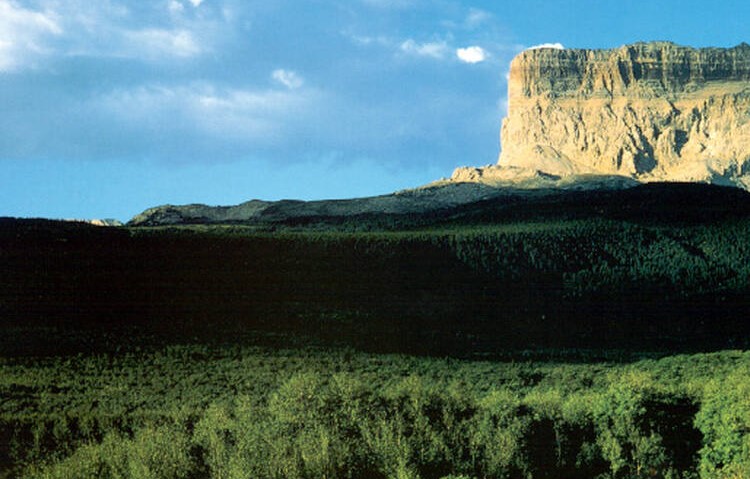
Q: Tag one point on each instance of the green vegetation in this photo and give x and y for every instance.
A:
(552, 337)
(242, 411)
(595, 283)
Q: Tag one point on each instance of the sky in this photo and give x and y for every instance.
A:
(112, 106)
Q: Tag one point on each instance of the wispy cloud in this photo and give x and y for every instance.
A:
(389, 3)
(162, 42)
(33, 36)
(288, 78)
(176, 7)
(24, 35)
(367, 40)
(472, 54)
(476, 17)
(179, 5)
(245, 114)
(167, 79)
(436, 50)
(556, 46)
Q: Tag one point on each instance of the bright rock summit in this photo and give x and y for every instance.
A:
(648, 111)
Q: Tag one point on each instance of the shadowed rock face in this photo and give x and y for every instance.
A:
(648, 111)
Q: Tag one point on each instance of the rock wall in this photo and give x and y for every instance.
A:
(648, 111)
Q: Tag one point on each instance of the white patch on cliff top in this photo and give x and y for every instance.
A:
(555, 46)
(473, 54)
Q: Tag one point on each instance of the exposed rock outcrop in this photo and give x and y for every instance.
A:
(647, 111)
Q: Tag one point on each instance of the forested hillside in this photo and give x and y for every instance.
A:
(574, 334)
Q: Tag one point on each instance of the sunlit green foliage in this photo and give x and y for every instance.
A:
(239, 412)
(152, 453)
(724, 420)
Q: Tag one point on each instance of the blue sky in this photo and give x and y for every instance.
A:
(109, 107)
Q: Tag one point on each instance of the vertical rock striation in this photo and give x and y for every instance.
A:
(648, 111)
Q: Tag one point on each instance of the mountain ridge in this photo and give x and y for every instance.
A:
(577, 119)
(437, 196)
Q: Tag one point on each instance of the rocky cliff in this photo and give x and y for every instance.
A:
(648, 111)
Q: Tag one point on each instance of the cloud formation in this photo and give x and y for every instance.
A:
(367, 40)
(156, 42)
(476, 17)
(435, 50)
(24, 35)
(473, 54)
(174, 81)
(260, 116)
(288, 78)
(175, 6)
(38, 34)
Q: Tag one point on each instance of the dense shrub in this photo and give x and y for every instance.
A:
(156, 452)
(625, 436)
(724, 420)
(239, 413)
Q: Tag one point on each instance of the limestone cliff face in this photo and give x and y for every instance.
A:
(649, 111)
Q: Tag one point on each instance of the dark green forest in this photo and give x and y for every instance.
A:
(564, 335)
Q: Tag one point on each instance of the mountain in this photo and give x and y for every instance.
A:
(577, 119)
(425, 201)
(648, 111)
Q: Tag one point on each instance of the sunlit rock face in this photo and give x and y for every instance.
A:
(648, 111)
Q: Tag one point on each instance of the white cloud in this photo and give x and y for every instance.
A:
(367, 40)
(24, 34)
(196, 3)
(238, 114)
(476, 17)
(111, 28)
(430, 49)
(556, 46)
(160, 42)
(288, 78)
(473, 54)
(176, 7)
